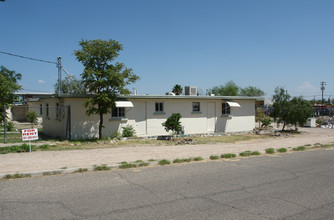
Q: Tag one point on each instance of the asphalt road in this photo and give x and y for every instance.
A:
(290, 186)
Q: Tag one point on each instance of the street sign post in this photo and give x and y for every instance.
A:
(29, 135)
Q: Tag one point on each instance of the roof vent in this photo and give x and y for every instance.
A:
(190, 90)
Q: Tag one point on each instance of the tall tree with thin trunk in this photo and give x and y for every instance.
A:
(102, 76)
(8, 86)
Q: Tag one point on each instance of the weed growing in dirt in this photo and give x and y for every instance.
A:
(282, 150)
(245, 153)
(143, 164)
(228, 155)
(270, 150)
(101, 167)
(128, 165)
(164, 162)
(214, 157)
(81, 170)
(16, 176)
(198, 159)
(301, 148)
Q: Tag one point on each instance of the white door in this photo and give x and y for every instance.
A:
(211, 116)
(140, 117)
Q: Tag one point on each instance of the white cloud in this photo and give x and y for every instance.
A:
(307, 88)
(41, 81)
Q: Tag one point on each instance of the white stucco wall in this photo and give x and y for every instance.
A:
(146, 121)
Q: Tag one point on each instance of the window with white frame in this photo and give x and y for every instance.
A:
(196, 107)
(40, 109)
(118, 112)
(226, 109)
(159, 107)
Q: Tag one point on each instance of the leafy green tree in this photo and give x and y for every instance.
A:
(177, 89)
(8, 86)
(32, 118)
(102, 76)
(229, 89)
(281, 106)
(71, 85)
(251, 91)
(173, 123)
(293, 111)
(299, 112)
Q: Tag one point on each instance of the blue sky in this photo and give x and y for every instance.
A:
(203, 43)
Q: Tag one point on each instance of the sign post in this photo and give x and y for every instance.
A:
(29, 135)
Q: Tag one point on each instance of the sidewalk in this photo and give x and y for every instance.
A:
(36, 163)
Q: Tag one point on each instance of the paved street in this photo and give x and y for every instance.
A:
(289, 186)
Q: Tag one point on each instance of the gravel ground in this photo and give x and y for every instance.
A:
(42, 161)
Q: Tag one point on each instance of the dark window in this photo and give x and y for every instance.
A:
(58, 111)
(118, 112)
(47, 110)
(40, 109)
(196, 107)
(226, 110)
(159, 107)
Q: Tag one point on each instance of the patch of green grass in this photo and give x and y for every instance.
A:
(270, 150)
(282, 150)
(101, 167)
(183, 160)
(139, 161)
(245, 153)
(214, 157)
(16, 176)
(255, 153)
(307, 145)
(128, 165)
(151, 160)
(198, 158)
(228, 155)
(164, 162)
(301, 148)
(143, 164)
(63, 168)
(52, 173)
(123, 162)
(81, 170)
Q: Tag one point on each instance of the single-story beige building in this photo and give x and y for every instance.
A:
(65, 116)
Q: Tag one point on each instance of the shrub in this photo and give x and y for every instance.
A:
(128, 131)
(270, 150)
(245, 153)
(214, 157)
(32, 118)
(128, 165)
(255, 153)
(116, 135)
(10, 126)
(266, 121)
(81, 170)
(143, 164)
(173, 123)
(282, 150)
(101, 167)
(228, 155)
(301, 148)
(197, 159)
(164, 162)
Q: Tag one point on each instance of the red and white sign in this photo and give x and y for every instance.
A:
(29, 134)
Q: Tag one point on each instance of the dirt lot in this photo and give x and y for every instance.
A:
(41, 161)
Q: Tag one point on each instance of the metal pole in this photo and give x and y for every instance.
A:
(59, 75)
(5, 123)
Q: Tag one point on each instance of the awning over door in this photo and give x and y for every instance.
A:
(126, 104)
(233, 104)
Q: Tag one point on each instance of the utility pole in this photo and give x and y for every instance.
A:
(5, 123)
(59, 75)
(322, 84)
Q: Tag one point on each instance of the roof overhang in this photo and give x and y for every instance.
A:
(126, 104)
(233, 104)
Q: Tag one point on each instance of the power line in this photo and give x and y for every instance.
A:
(29, 58)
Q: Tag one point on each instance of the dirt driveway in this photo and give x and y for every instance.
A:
(41, 161)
